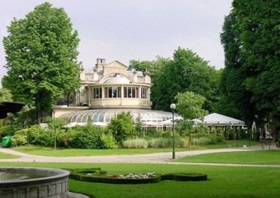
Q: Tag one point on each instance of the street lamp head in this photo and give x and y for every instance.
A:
(172, 106)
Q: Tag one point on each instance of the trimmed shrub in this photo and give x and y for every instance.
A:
(97, 175)
(135, 143)
(185, 177)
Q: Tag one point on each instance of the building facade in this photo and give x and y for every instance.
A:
(109, 89)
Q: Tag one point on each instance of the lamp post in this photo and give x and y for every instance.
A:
(173, 107)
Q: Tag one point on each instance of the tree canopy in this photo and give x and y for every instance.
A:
(5, 95)
(186, 71)
(189, 105)
(41, 54)
(251, 41)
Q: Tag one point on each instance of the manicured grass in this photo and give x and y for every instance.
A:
(45, 151)
(7, 156)
(228, 144)
(223, 182)
(251, 157)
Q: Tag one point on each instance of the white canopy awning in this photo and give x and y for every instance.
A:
(215, 119)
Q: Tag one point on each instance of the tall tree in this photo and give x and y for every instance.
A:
(185, 72)
(256, 26)
(236, 100)
(41, 54)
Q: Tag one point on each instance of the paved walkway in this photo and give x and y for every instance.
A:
(142, 158)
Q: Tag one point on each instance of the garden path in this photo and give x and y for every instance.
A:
(155, 158)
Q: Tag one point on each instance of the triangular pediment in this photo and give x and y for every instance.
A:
(116, 64)
(115, 67)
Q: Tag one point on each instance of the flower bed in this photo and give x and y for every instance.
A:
(98, 175)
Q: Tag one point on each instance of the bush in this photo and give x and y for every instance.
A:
(122, 127)
(154, 133)
(39, 136)
(34, 135)
(89, 137)
(85, 137)
(108, 141)
(217, 139)
(159, 142)
(201, 141)
(182, 142)
(135, 143)
(6, 130)
(20, 138)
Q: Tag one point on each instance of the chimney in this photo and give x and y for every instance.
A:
(100, 62)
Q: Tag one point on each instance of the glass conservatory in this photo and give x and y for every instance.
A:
(109, 89)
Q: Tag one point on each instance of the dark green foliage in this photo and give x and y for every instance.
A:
(192, 73)
(34, 135)
(89, 137)
(7, 130)
(122, 126)
(251, 77)
(186, 71)
(185, 177)
(41, 54)
(15, 122)
(96, 175)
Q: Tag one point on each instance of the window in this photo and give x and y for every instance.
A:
(112, 92)
(131, 92)
(97, 92)
(144, 92)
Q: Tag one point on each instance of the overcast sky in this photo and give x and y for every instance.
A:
(134, 29)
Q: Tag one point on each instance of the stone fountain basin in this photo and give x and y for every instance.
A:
(33, 182)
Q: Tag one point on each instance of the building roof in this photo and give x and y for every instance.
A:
(216, 119)
(117, 80)
(104, 116)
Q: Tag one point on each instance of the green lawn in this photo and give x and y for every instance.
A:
(251, 157)
(223, 182)
(7, 156)
(45, 151)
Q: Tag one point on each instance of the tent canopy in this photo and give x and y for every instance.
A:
(215, 119)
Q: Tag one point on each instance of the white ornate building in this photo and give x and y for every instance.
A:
(109, 89)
